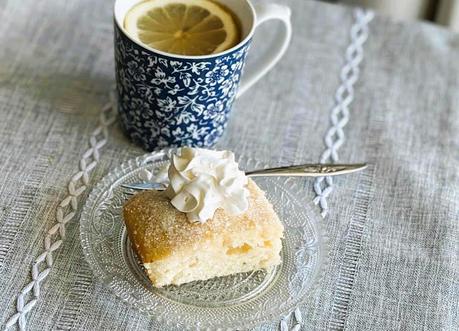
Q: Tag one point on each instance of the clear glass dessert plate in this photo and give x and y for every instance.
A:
(239, 301)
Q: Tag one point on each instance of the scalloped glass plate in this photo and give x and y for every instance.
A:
(233, 302)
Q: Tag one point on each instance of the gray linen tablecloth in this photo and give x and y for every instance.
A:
(394, 229)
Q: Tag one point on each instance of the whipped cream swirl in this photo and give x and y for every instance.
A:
(201, 181)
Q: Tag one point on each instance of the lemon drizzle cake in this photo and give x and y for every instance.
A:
(177, 248)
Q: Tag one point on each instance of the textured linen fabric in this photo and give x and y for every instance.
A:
(394, 229)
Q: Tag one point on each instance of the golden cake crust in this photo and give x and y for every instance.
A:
(157, 229)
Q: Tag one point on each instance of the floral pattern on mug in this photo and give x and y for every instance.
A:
(168, 101)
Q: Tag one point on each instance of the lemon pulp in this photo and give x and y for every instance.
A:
(185, 27)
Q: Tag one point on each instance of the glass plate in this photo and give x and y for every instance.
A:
(233, 302)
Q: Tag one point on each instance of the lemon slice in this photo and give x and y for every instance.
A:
(185, 27)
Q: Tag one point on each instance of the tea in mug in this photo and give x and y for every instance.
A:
(184, 27)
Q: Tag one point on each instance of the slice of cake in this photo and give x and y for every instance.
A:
(176, 251)
(211, 221)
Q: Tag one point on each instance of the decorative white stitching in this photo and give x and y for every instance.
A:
(339, 117)
(335, 137)
(64, 214)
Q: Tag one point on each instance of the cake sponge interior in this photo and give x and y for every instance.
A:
(175, 251)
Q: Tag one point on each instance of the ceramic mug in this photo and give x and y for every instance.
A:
(170, 100)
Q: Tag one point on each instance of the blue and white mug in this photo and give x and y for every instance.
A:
(169, 100)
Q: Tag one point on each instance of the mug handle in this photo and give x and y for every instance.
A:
(266, 12)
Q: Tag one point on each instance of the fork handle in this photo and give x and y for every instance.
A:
(309, 170)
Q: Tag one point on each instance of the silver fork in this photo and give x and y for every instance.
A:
(303, 170)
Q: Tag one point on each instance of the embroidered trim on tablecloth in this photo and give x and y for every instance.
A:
(335, 137)
(65, 212)
(323, 186)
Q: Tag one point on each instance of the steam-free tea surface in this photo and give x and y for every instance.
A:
(185, 27)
